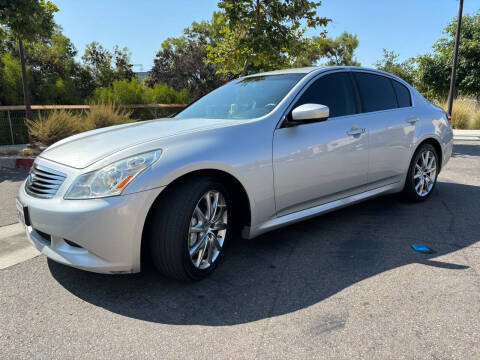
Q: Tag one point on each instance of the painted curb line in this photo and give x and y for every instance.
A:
(10, 162)
(465, 137)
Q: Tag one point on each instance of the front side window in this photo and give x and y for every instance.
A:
(333, 90)
(376, 92)
(246, 98)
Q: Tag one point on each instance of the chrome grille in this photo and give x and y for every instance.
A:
(43, 182)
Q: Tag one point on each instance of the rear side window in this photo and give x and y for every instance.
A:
(333, 90)
(376, 92)
(403, 95)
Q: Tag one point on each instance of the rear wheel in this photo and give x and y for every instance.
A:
(422, 174)
(188, 229)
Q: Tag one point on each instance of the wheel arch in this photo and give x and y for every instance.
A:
(438, 148)
(238, 192)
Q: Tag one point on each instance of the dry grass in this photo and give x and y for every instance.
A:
(465, 113)
(9, 152)
(59, 124)
(30, 152)
(55, 126)
(476, 120)
(99, 116)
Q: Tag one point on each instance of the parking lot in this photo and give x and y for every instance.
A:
(346, 285)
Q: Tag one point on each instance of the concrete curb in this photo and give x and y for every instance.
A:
(468, 138)
(12, 162)
(472, 135)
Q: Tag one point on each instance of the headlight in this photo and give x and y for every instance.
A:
(112, 179)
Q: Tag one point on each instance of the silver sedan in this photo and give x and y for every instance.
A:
(258, 153)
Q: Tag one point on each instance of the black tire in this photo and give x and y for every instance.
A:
(409, 192)
(169, 224)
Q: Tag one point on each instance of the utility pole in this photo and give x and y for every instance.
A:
(455, 59)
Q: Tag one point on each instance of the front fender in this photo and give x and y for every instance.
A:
(246, 155)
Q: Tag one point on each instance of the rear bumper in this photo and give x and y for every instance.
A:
(108, 231)
(447, 152)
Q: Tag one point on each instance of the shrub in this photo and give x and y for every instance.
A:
(56, 125)
(164, 94)
(136, 92)
(465, 114)
(103, 115)
(31, 152)
(59, 124)
(475, 122)
(121, 92)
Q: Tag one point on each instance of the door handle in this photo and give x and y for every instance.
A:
(412, 119)
(355, 131)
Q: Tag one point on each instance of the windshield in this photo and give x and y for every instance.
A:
(246, 98)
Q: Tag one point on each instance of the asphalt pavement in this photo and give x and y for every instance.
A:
(10, 180)
(346, 285)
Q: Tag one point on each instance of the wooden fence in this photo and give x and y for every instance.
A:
(13, 129)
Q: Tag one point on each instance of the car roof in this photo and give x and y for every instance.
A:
(309, 69)
(302, 70)
(319, 69)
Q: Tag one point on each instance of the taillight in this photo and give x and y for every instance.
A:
(449, 118)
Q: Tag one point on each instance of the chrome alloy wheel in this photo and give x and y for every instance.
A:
(208, 227)
(425, 173)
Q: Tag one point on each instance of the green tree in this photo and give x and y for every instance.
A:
(262, 34)
(27, 19)
(11, 80)
(123, 66)
(55, 77)
(338, 51)
(98, 61)
(181, 63)
(433, 75)
(434, 69)
(105, 66)
(390, 63)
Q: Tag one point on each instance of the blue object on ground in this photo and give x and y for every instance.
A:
(421, 248)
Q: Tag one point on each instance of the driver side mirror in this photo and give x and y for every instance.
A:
(307, 113)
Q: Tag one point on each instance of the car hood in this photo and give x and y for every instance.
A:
(82, 150)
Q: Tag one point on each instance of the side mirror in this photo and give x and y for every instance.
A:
(310, 112)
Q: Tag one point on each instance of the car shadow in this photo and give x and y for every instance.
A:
(294, 267)
(466, 149)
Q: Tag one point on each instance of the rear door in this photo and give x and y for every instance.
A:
(319, 162)
(386, 105)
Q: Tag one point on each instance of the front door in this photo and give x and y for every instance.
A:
(324, 161)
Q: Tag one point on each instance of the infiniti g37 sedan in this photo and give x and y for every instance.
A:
(258, 153)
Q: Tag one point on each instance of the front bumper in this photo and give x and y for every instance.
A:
(108, 231)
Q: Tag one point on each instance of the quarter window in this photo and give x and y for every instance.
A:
(376, 92)
(403, 95)
(333, 90)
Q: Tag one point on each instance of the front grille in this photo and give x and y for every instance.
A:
(43, 182)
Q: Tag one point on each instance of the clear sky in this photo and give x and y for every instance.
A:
(409, 27)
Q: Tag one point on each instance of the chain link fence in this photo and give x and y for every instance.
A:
(14, 130)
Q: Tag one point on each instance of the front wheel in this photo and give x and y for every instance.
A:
(188, 229)
(422, 174)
